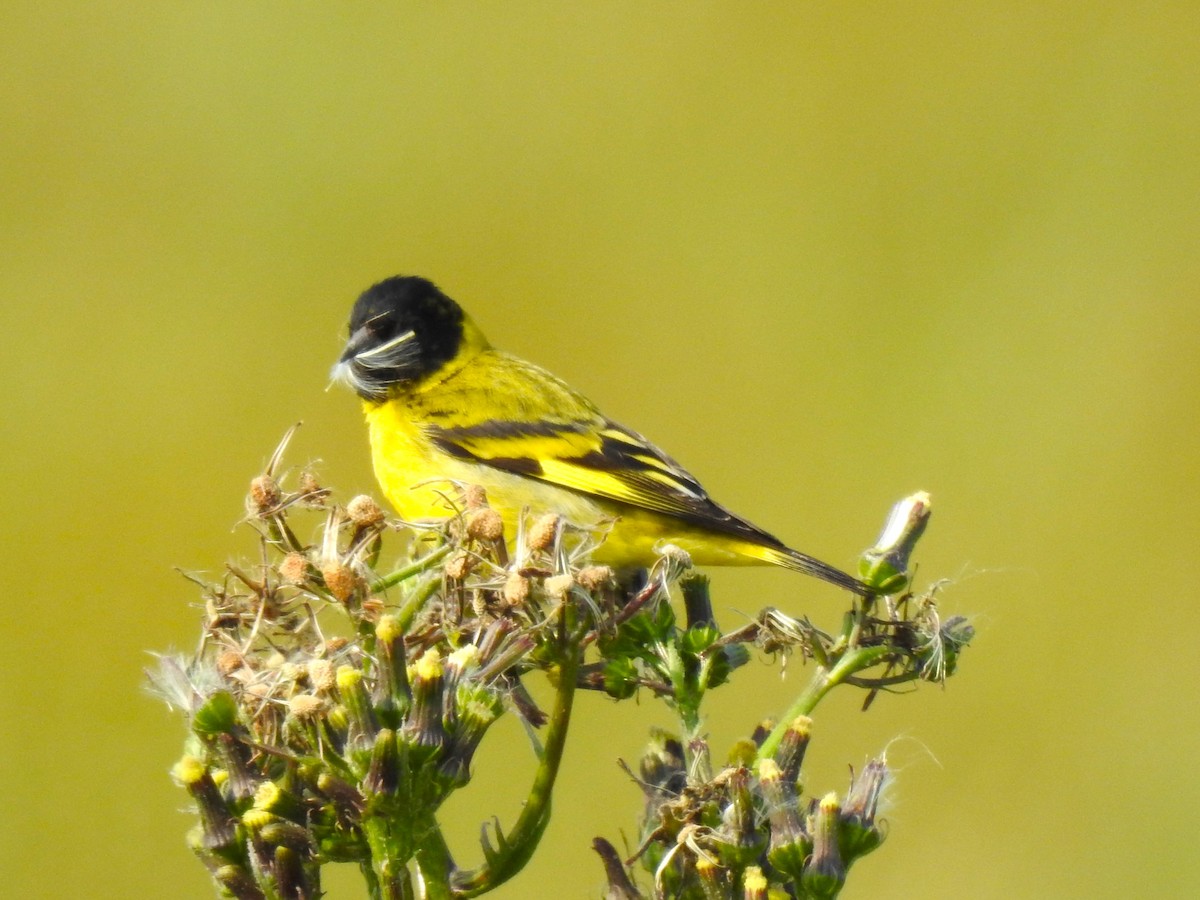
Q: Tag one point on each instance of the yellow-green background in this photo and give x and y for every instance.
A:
(826, 254)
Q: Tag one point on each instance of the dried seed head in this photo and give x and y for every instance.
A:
(475, 496)
(335, 644)
(321, 675)
(294, 568)
(594, 578)
(458, 565)
(543, 531)
(372, 608)
(364, 511)
(516, 589)
(259, 690)
(558, 586)
(265, 495)
(676, 558)
(305, 706)
(339, 578)
(229, 662)
(309, 483)
(485, 525)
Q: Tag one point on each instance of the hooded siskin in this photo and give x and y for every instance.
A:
(443, 406)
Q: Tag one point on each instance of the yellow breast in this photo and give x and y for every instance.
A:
(423, 483)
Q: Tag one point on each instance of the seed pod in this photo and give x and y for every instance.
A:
(364, 511)
(543, 532)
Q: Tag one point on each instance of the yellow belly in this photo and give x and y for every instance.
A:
(424, 485)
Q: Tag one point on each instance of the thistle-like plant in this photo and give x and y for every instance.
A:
(334, 704)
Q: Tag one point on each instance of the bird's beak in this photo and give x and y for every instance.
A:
(385, 355)
(355, 345)
(341, 371)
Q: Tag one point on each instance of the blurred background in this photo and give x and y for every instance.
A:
(824, 255)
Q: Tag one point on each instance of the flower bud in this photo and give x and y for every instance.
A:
(742, 843)
(790, 755)
(272, 798)
(762, 730)
(477, 708)
(662, 767)
(789, 846)
(217, 715)
(492, 639)
(885, 566)
(235, 757)
(458, 665)
(825, 874)
(424, 728)
(288, 870)
(256, 819)
(216, 819)
(859, 833)
(358, 707)
(620, 885)
(696, 599)
(754, 884)
(348, 803)
(712, 878)
(391, 695)
(383, 774)
(237, 882)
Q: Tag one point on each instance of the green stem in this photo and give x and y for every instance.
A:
(417, 601)
(515, 849)
(396, 887)
(823, 681)
(390, 843)
(433, 856)
(425, 562)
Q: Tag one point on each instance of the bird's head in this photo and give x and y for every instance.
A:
(402, 330)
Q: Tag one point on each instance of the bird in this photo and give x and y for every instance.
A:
(444, 407)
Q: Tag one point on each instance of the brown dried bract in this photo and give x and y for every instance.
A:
(543, 532)
(485, 525)
(364, 511)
